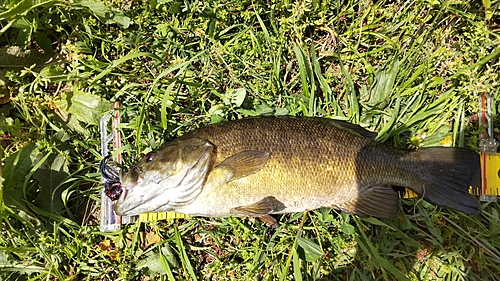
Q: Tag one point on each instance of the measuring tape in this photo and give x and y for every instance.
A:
(490, 175)
(160, 216)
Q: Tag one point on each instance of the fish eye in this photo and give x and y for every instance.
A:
(148, 158)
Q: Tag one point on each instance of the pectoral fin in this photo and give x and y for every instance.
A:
(244, 163)
(261, 210)
(376, 201)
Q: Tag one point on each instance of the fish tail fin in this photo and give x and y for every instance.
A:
(446, 176)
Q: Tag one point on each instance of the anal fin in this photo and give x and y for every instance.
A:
(376, 201)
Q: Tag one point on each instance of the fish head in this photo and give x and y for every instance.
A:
(168, 178)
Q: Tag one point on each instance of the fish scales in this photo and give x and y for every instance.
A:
(310, 164)
(307, 163)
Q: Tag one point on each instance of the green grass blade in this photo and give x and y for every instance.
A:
(166, 266)
(114, 64)
(304, 72)
(163, 111)
(264, 28)
(293, 250)
(384, 134)
(373, 252)
(352, 104)
(183, 255)
(297, 273)
(142, 113)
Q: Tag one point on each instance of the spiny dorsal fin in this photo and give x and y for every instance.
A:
(244, 163)
(340, 124)
(353, 128)
(376, 201)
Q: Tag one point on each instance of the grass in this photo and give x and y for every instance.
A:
(411, 71)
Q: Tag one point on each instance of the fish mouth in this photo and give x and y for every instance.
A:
(131, 210)
(129, 201)
(123, 207)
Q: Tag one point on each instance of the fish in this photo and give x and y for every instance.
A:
(256, 167)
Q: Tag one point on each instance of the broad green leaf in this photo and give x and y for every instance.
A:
(44, 42)
(106, 15)
(122, 20)
(488, 13)
(247, 112)
(436, 81)
(55, 73)
(216, 118)
(383, 133)
(154, 263)
(494, 228)
(51, 176)
(375, 221)
(306, 78)
(384, 86)
(18, 166)
(325, 215)
(4, 258)
(175, 7)
(348, 229)
(68, 122)
(280, 111)
(308, 250)
(186, 263)
(26, 29)
(263, 109)
(15, 199)
(114, 64)
(85, 107)
(327, 91)
(23, 7)
(297, 274)
(208, 13)
(415, 74)
(238, 96)
(352, 102)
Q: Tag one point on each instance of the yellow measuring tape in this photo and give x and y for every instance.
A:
(490, 175)
(160, 216)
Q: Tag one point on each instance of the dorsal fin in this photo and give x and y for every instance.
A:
(353, 128)
(340, 124)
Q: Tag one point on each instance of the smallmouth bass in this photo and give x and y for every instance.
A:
(272, 165)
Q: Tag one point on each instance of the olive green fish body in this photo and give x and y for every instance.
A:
(261, 166)
(310, 165)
